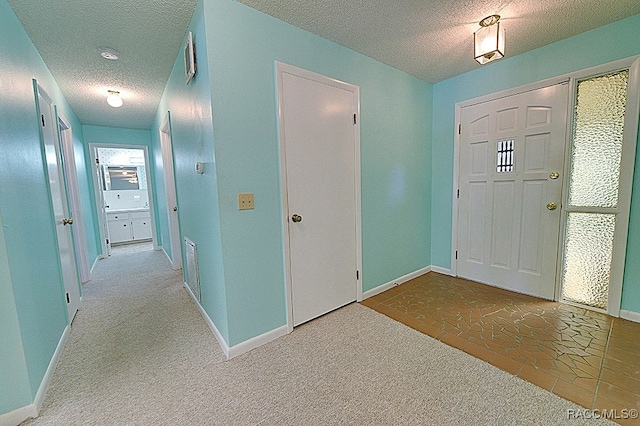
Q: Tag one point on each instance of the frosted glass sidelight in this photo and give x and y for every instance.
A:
(587, 258)
(597, 140)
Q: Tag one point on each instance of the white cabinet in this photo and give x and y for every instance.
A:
(126, 226)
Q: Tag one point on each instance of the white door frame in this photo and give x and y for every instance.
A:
(99, 199)
(168, 172)
(281, 69)
(73, 195)
(626, 182)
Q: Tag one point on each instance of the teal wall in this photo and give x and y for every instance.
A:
(106, 135)
(243, 45)
(609, 43)
(14, 377)
(29, 258)
(227, 118)
(193, 141)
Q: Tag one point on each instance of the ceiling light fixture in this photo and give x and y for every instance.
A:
(114, 99)
(488, 41)
(109, 53)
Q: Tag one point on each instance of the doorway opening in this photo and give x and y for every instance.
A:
(124, 197)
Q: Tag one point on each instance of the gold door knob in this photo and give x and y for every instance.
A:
(296, 218)
(552, 206)
(554, 175)
(67, 221)
(175, 208)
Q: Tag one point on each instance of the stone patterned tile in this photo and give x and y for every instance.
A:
(559, 347)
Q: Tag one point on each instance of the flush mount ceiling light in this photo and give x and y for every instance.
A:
(109, 53)
(488, 41)
(114, 99)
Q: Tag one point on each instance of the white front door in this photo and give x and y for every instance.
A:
(510, 183)
(320, 147)
(63, 221)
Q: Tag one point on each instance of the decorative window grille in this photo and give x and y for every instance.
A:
(504, 163)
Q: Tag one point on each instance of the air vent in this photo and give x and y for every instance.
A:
(193, 277)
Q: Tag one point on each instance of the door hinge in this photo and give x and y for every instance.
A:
(42, 117)
(97, 161)
(107, 241)
(357, 275)
(459, 129)
(456, 254)
(458, 193)
(68, 298)
(354, 119)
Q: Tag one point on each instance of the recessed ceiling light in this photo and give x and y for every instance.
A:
(109, 53)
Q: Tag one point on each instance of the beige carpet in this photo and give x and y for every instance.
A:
(139, 353)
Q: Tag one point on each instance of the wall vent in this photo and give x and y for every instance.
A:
(193, 277)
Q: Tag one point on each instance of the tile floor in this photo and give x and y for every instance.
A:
(589, 358)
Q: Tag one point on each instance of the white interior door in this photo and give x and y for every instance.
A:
(63, 220)
(170, 190)
(510, 190)
(71, 178)
(320, 144)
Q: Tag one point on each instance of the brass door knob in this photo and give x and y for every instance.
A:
(66, 221)
(296, 218)
(175, 208)
(552, 206)
(554, 175)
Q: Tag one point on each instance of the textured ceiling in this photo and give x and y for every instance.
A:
(431, 39)
(146, 33)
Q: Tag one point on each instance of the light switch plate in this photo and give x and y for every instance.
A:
(245, 201)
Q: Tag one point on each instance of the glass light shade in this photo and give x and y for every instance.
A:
(488, 43)
(114, 100)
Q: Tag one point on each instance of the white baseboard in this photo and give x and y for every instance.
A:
(16, 417)
(630, 315)
(441, 270)
(95, 262)
(257, 341)
(210, 324)
(240, 348)
(48, 375)
(403, 279)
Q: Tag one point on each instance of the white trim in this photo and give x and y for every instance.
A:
(280, 69)
(32, 410)
(630, 315)
(48, 375)
(254, 342)
(210, 324)
(19, 415)
(443, 271)
(95, 262)
(166, 254)
(240, 348)
(403, 279)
